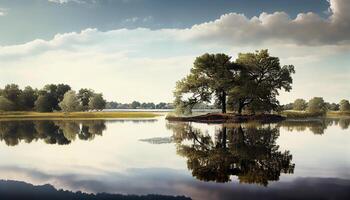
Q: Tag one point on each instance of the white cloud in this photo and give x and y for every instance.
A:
(305, 29)
(3, 12)
(144, 64)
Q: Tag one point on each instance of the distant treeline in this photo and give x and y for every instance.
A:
(52, 97)
(150, 105)
(317, 105)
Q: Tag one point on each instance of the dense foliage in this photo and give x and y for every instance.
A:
(52, 97)
(250, 83)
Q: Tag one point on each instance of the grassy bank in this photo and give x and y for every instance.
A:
(294, 114)
(338, 114)
(76, 115)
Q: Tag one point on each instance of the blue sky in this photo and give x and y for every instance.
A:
(138, 49)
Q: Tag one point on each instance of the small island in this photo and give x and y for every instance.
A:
(248, 88)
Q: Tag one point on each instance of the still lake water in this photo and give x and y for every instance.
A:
(151, 156)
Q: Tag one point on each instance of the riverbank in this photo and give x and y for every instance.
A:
(228, 118)
(76, 115)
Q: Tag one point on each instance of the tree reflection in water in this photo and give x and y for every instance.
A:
(52, 132)
(316, 126)
(248, 152)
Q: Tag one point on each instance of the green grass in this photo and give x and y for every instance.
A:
(338, 114)
(76, 115)
(294, 114)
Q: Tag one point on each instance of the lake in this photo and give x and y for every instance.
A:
(291, 159)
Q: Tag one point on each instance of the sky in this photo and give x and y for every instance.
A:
(138, 49)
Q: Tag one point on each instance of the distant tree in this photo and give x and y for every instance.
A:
(5, 104)
(261, 78)
(70, 102)
(97, 102)
(161, 105)
(12, 93)
(288, 106)
(43, 104)
(55, 94)
(27, 98)
(344, 105)
(316, 105)
(332, 106)
(112, 105)
(299, 104)
(135, 104)
(84, 95)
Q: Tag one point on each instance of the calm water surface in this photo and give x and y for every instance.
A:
(290, 159)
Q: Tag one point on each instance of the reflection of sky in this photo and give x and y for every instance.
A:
(117, 162)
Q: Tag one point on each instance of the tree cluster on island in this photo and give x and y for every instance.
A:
(250, 83)
(52, 97)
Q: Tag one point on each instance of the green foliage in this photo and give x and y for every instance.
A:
(43, 104)
(212, 76)
(5, 104)
(344, 105)
(27, 98)
(135, 104)
(299, 104)
(292, 114)
(97, 102)
(84, 96)
(317, 105)
(260, 81)
(12, 93)
(70, 102)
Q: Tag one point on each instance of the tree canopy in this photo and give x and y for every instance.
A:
(212, 76)
(70, 102)
(252, 82)
(49, 98)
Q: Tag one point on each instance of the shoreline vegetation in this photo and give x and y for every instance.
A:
(227, 118)
(76, 115)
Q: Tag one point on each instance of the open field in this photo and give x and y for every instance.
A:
(76, 115)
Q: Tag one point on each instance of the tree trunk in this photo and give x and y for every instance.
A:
(223, 102)
(240, 107)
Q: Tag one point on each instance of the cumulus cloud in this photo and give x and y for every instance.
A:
(144, 64)
(306, 28)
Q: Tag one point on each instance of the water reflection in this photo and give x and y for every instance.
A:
(316, 126)
(248, 152)
(51, 132)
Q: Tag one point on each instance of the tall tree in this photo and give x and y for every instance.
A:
(70, 102)
(97, 102)
(344, 105)
(84, 95)
(212, 76)
(260, 81)
(12, 93)
(317, 105)
(43, 104)
(299, 104)
(27, 98)
(5, 104)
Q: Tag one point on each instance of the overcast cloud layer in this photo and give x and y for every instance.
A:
(144, 64)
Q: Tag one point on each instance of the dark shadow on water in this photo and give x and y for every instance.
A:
(51, 132)
(248, 152)
(15, 190)
(316, 126)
